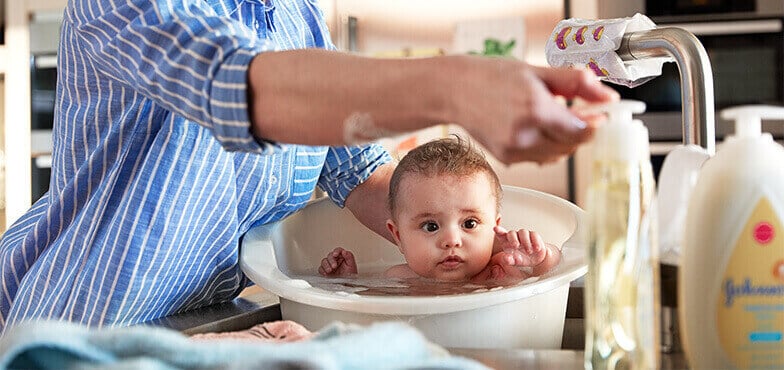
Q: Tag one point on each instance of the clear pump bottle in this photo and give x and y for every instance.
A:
(621, 287)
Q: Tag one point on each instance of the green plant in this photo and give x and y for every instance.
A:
(496, 48)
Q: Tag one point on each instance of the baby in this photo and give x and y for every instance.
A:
(445, 199)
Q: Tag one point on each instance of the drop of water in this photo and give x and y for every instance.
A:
(299, 283)
(530, 280)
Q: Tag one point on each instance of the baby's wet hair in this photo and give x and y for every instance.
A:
(453, 156)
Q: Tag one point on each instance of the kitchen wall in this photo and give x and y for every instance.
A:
(386, 26)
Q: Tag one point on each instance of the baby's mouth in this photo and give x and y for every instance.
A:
(451, 262)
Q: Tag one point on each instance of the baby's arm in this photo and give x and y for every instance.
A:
(339, 262)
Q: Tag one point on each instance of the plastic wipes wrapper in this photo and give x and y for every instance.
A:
(593, 43)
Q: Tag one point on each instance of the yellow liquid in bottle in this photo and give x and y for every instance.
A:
(621, 325)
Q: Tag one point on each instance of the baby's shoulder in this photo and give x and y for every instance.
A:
(401, 271)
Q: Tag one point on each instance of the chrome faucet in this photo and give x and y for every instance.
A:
(695, 73)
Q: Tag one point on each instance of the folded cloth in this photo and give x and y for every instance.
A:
(271, 332)
(63, 345)
(592, 44)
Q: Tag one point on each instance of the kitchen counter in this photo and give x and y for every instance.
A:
(239, 314)
(547, 359)
(246, 311)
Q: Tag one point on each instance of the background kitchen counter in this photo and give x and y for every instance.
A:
(258, 306)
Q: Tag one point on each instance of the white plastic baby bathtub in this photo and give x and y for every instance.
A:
(529, 315)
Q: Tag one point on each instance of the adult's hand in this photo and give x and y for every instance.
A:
(512, 109)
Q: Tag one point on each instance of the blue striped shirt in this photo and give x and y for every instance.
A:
(155, 174)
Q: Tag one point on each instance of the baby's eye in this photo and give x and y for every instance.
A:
(429, 226)
(470, 223)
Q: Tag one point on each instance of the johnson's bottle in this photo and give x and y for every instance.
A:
(731, 282)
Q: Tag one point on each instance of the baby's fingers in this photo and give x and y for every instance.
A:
(510, 238)
(496, 272)
(504, 240)
(348, 257)
(325, 268)
(525, 240)
(537, 243)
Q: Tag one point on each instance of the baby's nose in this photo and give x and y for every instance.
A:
(451, 239)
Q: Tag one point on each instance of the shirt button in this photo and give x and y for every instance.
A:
(273, 179)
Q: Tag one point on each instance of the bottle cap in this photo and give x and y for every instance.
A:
(748, 118)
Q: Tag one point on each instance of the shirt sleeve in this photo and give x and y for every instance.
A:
(347, 167)
(181, 54)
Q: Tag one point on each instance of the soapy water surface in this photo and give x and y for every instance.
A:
(373, 284)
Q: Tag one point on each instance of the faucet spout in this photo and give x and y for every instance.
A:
(695, 72)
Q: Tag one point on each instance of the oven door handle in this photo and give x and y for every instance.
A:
(758, 26)
(45, 61)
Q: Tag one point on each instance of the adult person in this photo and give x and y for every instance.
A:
(180, 124)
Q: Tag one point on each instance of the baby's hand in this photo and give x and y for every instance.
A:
(522, 247)
(502, 267)
(339, 262)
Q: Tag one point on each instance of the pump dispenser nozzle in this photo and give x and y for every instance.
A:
(748, 118)
(621, 137)
(622, 111)
(619, 111)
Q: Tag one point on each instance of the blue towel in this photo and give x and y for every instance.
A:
(63, 345)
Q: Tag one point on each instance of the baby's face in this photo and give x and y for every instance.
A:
(444, 224)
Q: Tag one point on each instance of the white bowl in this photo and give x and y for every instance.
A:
(529, 315)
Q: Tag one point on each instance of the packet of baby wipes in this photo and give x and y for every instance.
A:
(593, 44)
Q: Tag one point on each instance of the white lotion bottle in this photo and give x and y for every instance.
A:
(731, 283)
(621, 287)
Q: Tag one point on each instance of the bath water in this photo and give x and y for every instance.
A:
(373, 284)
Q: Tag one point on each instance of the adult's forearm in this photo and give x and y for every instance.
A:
(368, 201)
(307, 96)
(311, 96)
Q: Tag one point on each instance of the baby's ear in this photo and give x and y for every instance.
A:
(498, 220)
(394, 231)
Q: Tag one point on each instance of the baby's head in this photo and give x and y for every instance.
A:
(445, 198)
